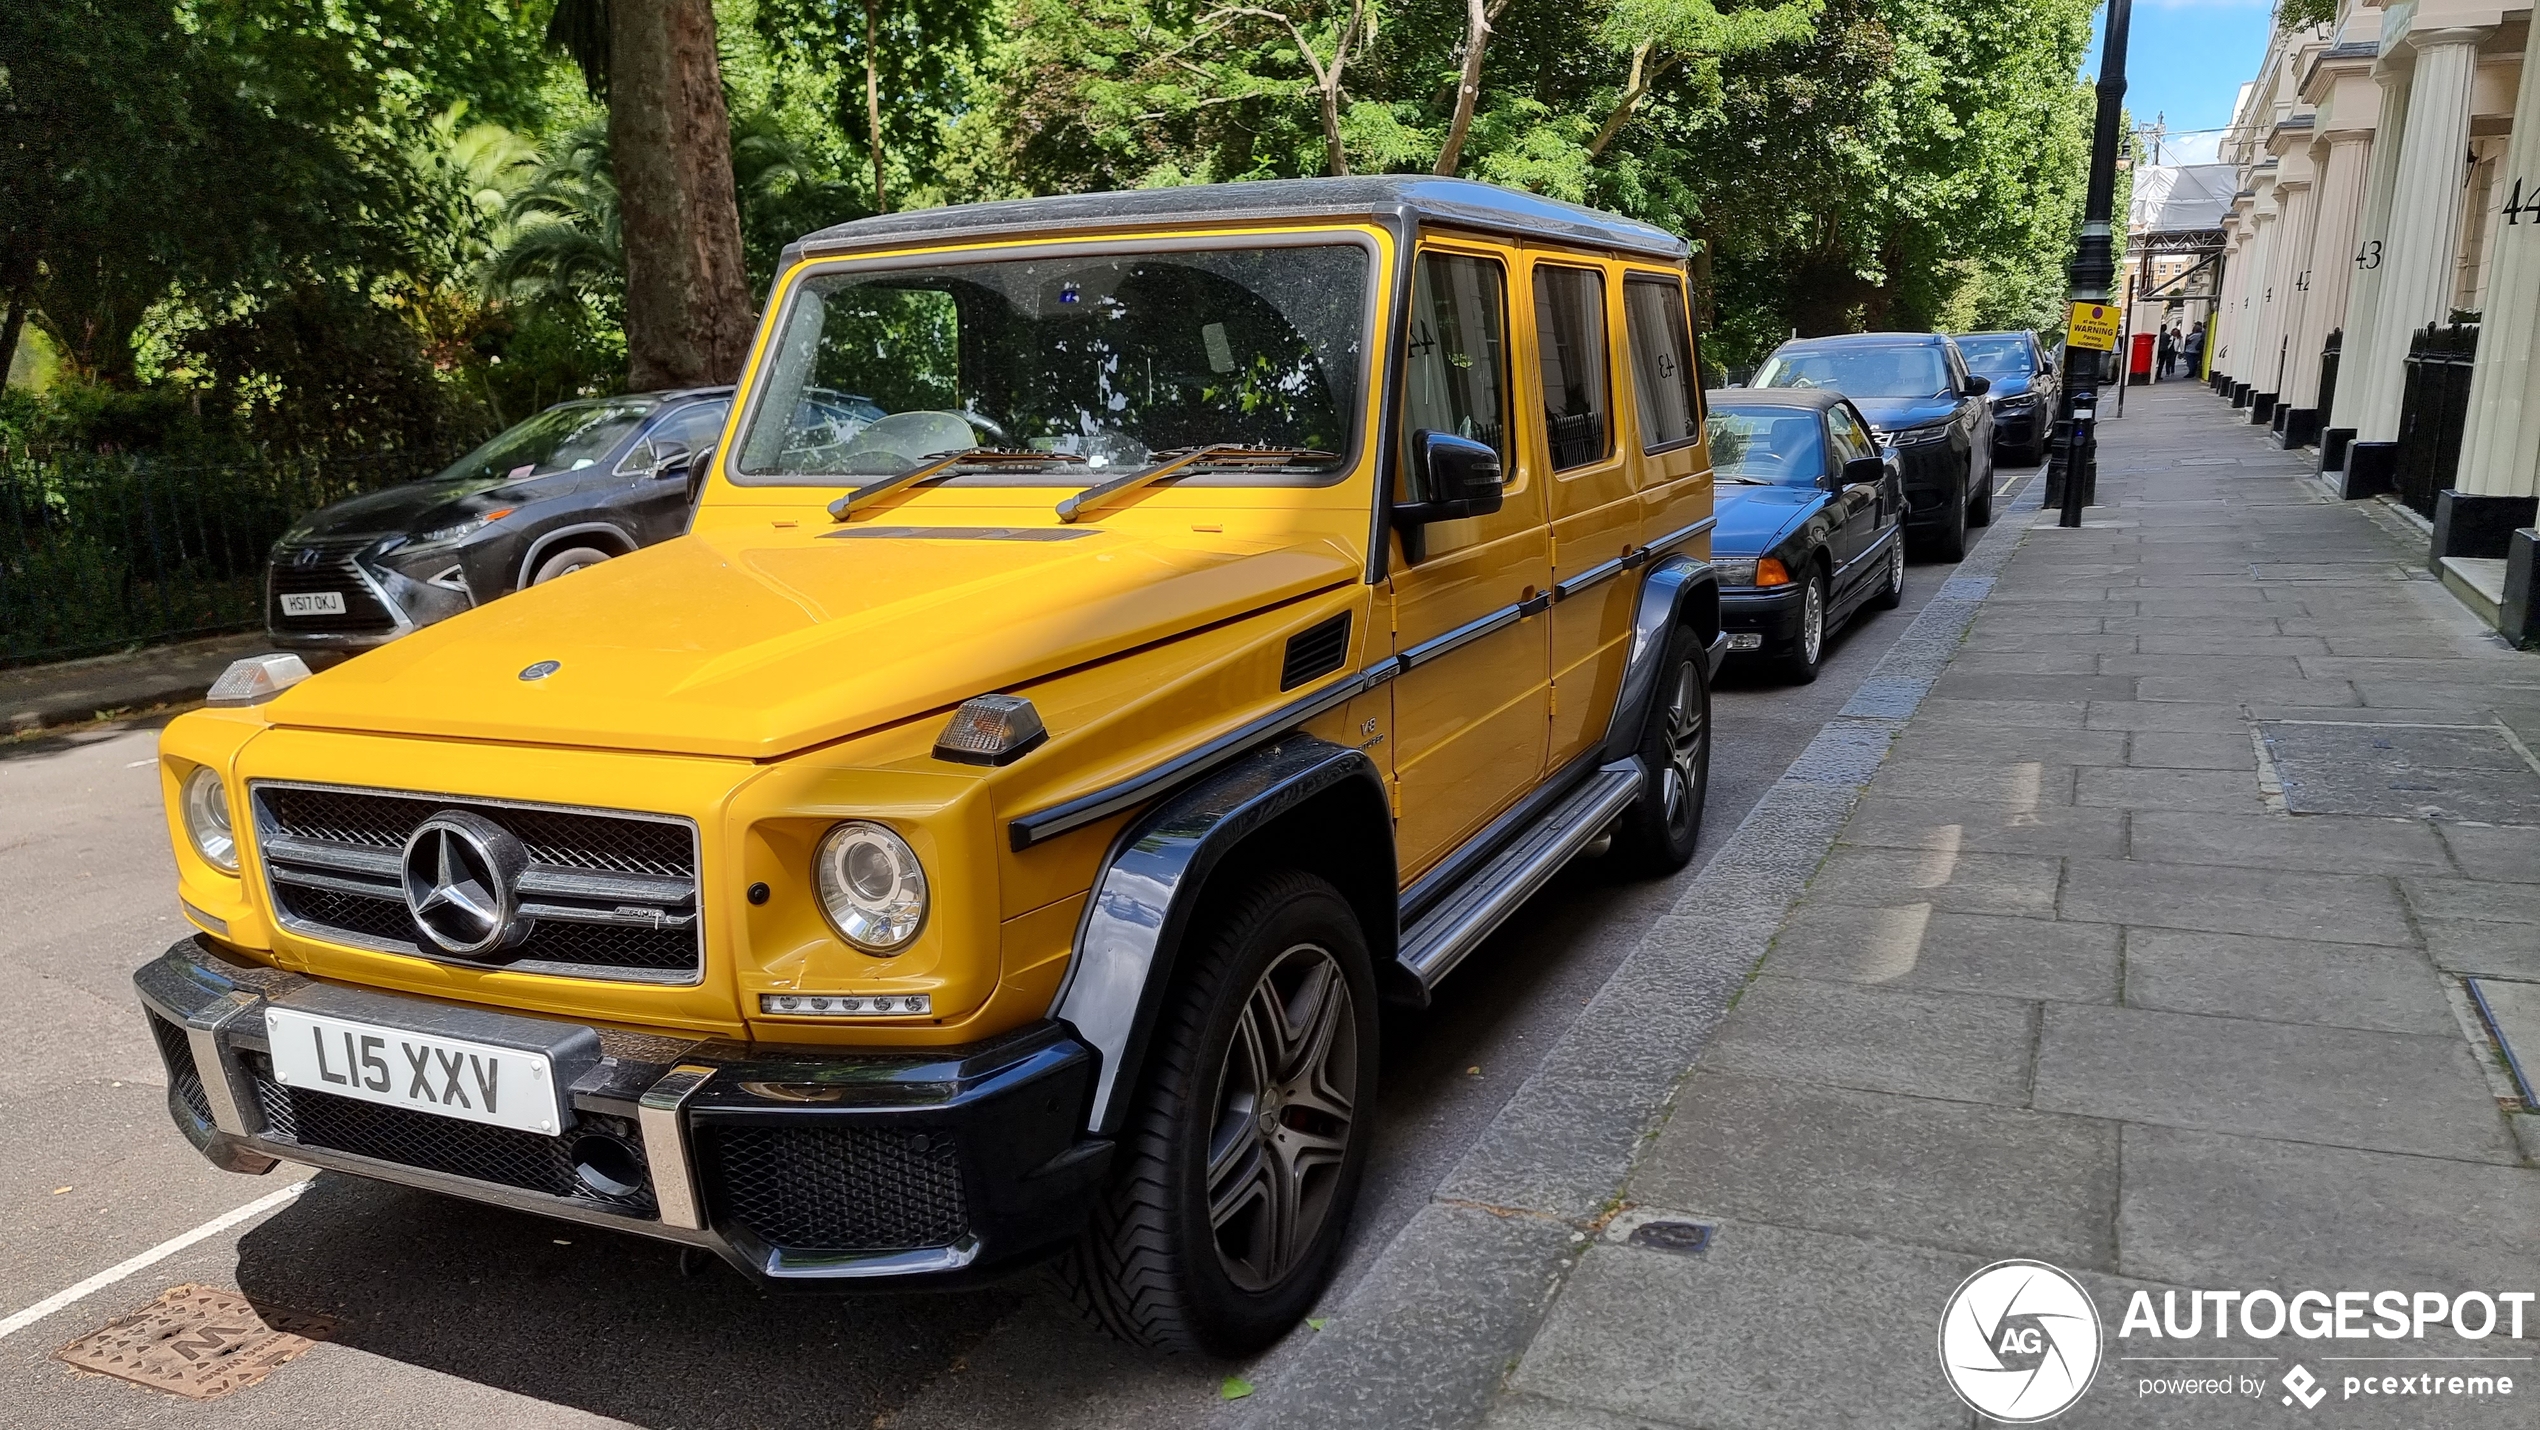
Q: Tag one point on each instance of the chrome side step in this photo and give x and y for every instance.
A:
(1433, 946)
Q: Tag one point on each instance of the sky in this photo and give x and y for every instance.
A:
(2187, 60)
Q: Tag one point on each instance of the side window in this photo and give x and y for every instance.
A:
(1849, 440)
(1662, 362)
(1455, 377)
(1570, 342)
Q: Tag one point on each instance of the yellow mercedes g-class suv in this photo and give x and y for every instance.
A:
(987, 834)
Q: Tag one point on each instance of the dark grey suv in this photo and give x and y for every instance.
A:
(575, 485)
(1927, 408)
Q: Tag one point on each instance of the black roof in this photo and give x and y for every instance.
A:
(1463, 203)
(1866, 340)
(1819, 397)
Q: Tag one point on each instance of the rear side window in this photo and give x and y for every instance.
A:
(1456, 370)
(1662, 362)
(689, 429)
(1570, 344)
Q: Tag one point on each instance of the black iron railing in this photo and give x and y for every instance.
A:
(2433, 412)
(102, 552)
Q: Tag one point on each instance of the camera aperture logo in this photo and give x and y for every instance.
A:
(2019, 1341)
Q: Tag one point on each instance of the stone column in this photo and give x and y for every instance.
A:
(2226, 315)
(2500, 448)
(2247, 363)
(2293, 196)
(2337, 205)
(2418, 260)
(2361, 358)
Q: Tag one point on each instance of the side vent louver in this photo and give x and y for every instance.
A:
(1317, 650)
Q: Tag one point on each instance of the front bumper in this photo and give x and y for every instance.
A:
(1771, 614)
(801, 1166)
(2021, 428)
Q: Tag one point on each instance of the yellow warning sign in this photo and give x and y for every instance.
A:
(2094, 325)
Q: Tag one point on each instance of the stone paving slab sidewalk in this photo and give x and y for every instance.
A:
(2083, 981)
(2117, 922)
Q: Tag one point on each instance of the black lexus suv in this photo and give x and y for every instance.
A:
(575, 485)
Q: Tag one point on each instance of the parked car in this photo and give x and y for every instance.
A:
(568, 488)
(2023, 392)
(988, 838)
(1812, 521)
(1921, 399)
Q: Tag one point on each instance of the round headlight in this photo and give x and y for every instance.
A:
(207, 819)
(871, 886)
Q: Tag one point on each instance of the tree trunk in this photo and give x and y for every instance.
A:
(1468, 90)
(17, 285)
(1335, 158)
(687, 291)
(873, 107)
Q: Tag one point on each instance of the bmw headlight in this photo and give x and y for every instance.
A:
(872, 888)
(206, 807)
(1735, 570)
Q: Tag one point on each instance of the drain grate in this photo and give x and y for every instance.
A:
(1685, 1238)
(200, 1342)
(2454, 772)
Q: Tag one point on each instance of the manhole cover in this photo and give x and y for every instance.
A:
(2457, 772)
(197, 1341)
(1686, 1238)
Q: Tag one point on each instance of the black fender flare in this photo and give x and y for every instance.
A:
(1151, 884)
(1678, 591)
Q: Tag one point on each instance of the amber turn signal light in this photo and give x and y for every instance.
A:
(1771, 572)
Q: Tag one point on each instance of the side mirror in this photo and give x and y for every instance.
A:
(1456, 477)
(1978, 386)
(700, 464)
(668, 457)
(1864, 471)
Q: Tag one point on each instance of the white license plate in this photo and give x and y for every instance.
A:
(313, 603)
(421, 1072)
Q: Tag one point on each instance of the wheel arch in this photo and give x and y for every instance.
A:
(547, 541)
(1304, 802)
(1678, 591)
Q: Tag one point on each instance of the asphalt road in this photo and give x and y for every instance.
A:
(453, 1314)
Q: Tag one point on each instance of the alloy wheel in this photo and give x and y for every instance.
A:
(1812, 623)
(1284, 1116)
(1686, 730)
(1896, 568)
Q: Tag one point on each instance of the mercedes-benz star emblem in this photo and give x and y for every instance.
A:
(460, 872)
(541, 670)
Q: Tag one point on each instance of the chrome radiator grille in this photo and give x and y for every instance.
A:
(605, 894)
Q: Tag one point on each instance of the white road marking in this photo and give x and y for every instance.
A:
(139, 763)
(147, 1259)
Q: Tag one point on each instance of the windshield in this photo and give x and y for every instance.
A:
(1110, 358)
(560, 439)
(1998, 355)
(1896, 371)
(1781, 445)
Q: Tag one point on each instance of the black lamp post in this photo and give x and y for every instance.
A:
(2094, 274)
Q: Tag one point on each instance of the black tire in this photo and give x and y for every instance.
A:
(1799, 664)
(1980, 511)
(1153, 1267)
(1892, 594)
(566, 562)
(1656, 835)
(1948, 541)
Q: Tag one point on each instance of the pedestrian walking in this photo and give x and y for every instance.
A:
(2169, 353)
(2195, 353)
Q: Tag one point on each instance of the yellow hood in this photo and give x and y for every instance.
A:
(757, 646)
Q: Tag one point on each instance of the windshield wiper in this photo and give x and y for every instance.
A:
(1747, 481)
(943, 464)
(1190, 459)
